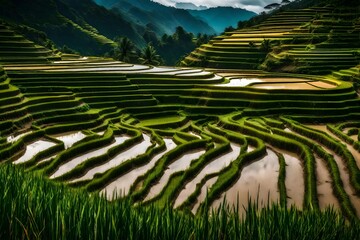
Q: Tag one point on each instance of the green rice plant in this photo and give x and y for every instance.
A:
(82, 168)
(282, 142)
(281, 180)
(231, 173)
(338, 188)
(155, 174)
(344, 137)
(62, 213)
(10, 151)
(335, 145)
(68, 154)
(179, 179)
(101, 180)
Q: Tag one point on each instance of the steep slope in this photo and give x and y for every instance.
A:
(14, 48)
(81, 25)
(164, 19)
(313, 40)
(221, 17)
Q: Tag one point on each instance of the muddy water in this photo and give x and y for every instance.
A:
(33, 149)
(179, 165)
(213, 167)
(119, 159)
(46, 159)
(242, 82)
(342, 169)
(12, 139)
(194, 74)
(352, 150)
(67, 167)
(291, 86)
(160, 70)
(324, 188)
(320, 84)
(68, 141)
(204, 190)
(258, 181)
(121, 186)
(71, 139)
(103, 69)
(294, 180)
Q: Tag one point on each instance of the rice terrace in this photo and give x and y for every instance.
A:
(254, 134)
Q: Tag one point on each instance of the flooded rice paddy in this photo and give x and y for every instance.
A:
(33, 149)
(258, 182)
(121, 186)
(80, 159)
(128, 154)
(214, 166)
(180, 164)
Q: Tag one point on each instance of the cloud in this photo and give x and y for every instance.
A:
(252, 5)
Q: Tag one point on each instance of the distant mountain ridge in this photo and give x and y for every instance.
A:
(163, 19)
(190, 6)
(195, 19)
(221, 17)
(90, 29)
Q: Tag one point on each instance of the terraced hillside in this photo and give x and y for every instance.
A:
(314, 40)
(185, 137)
(15, 48)
(168, 135)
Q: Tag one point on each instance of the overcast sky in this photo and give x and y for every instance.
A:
(252, 5)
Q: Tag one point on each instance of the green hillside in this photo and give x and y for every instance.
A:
(315, 40)
(162, 19)
(80, 25)
(15, 48)
(262, 141)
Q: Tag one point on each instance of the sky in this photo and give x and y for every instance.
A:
(252, 5)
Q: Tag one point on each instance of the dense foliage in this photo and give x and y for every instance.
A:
(33, 208)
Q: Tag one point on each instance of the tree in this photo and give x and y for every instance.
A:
(266, 45)
(125, 49)
(149, 56)
(229, 29)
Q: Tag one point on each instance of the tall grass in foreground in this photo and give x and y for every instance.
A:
(34, 208)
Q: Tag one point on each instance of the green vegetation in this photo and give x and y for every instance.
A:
(315, 40)
(61, 213)
(123, 149)
(149, 56)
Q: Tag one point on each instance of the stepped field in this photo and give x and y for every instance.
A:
(168, 135)
(188, 138)
(314, 40)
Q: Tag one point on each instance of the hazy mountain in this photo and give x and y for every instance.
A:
(191, 17)
(164, 19)
(189, 6)
(221, 17)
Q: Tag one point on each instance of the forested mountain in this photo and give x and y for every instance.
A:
(164, 19)
(158, 18)
(81, 24)
(90, 29)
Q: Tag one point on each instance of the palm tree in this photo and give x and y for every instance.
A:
(149, 56)
(125, 49)
(266, 45)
